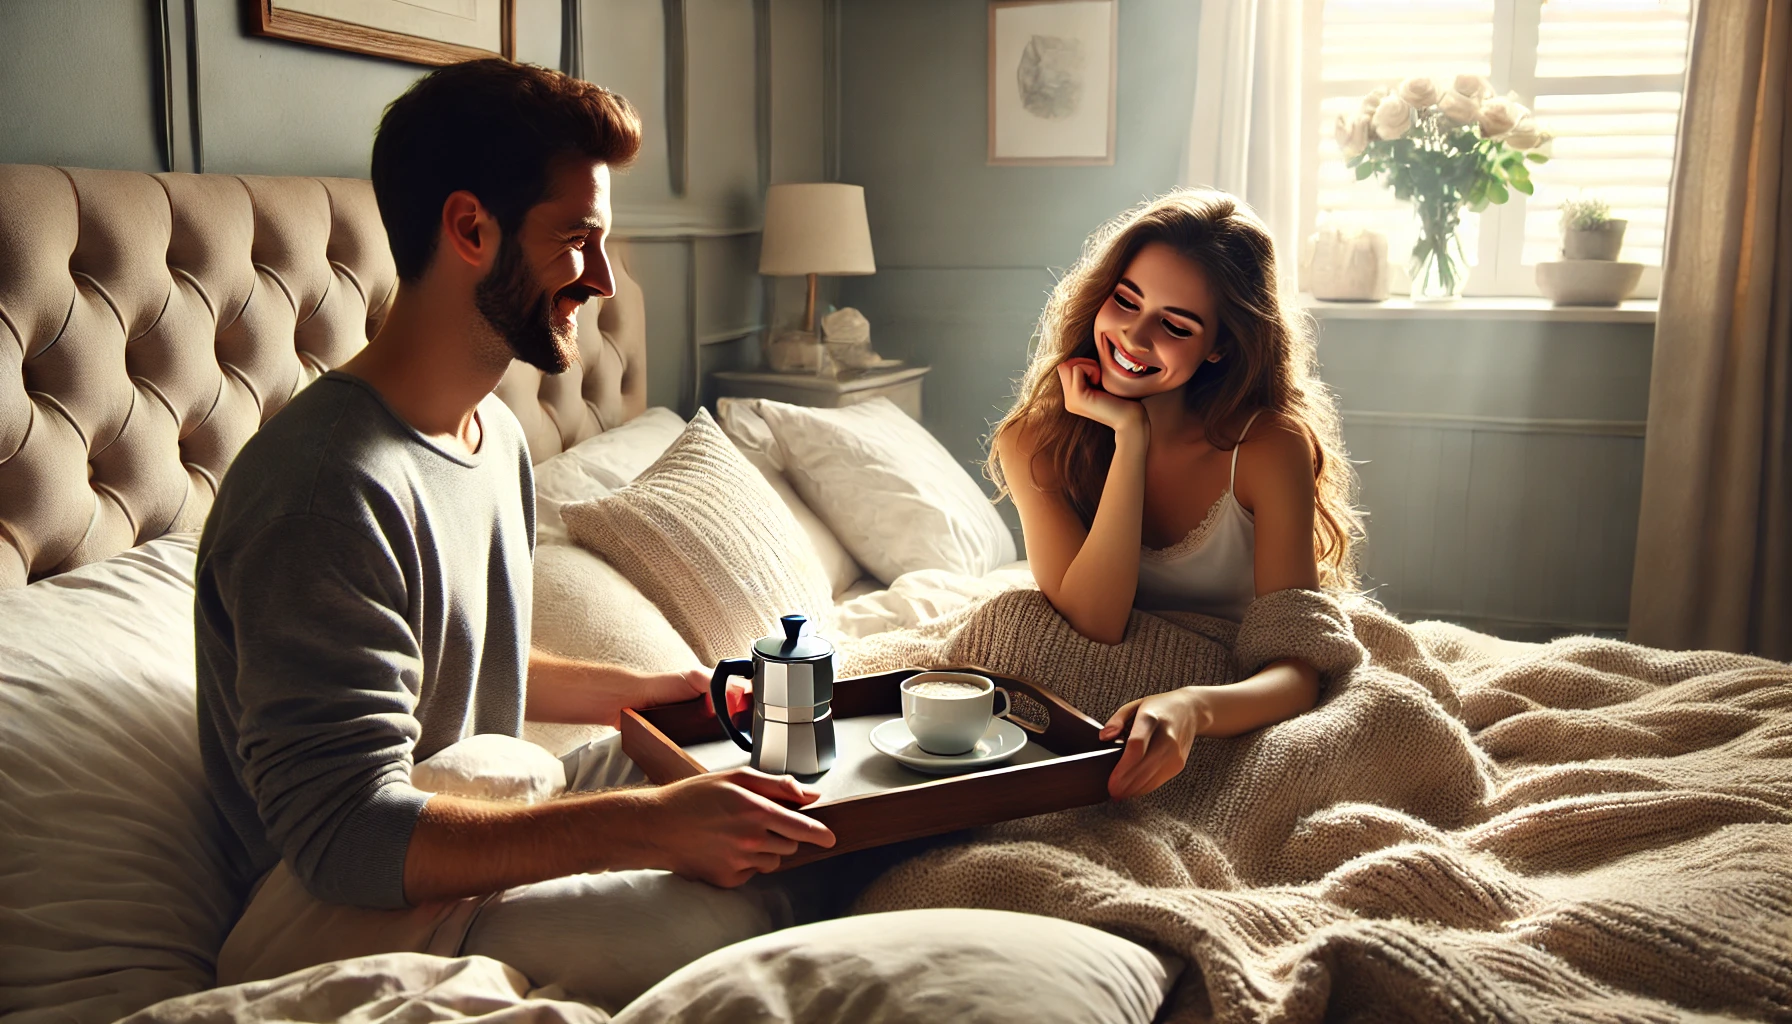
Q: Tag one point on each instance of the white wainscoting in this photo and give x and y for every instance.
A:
(1522, 527)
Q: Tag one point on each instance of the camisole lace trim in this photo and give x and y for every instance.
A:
(1195, 537)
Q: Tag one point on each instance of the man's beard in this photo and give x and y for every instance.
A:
(521, 311)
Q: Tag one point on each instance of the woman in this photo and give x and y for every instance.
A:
(1173, 448)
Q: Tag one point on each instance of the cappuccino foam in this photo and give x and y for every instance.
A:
(944, 688)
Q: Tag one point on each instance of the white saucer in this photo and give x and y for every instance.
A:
(1001, 741)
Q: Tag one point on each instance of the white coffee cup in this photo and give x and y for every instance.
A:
(948, 712)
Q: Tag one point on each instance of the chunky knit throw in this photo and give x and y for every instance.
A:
(1588, 830)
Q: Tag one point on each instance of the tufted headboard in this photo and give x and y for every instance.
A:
(150, 323)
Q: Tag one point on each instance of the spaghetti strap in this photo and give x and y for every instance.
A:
(1233, 481)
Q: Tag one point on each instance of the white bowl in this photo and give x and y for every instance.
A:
(1588, 282)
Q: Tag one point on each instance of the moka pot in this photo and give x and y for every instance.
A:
(793, 691)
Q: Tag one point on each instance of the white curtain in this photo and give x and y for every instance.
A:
(1244, 136)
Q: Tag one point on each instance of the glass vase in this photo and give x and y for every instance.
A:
(1439, 267)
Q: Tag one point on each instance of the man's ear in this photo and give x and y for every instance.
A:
(469, 231)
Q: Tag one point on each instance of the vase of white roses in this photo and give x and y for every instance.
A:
(1442, 150)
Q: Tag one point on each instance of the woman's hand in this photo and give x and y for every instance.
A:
(1084, 397)
(1159, 730)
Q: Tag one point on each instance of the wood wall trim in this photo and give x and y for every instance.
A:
(267, 20)
(678, 115)
(1502, 424)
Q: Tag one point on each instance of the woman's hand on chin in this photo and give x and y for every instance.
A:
(1083, 395)
(1159, 730)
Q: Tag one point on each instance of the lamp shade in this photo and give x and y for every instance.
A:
(815, 229)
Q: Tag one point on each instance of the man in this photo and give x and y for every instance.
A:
(364, 588)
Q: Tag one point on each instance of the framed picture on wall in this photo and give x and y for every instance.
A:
(1052, 66)
(418, 31)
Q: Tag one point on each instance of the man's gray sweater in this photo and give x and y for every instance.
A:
(362, 602)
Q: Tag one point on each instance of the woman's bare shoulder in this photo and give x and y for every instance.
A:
(1275, 455)
(1021, 447)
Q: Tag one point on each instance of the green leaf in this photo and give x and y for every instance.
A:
(1497, 192)
(1537, 158)
(1364, 169)
(1524, 186)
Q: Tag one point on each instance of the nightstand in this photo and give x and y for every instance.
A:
(900, 384)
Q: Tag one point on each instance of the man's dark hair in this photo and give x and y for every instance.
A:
(492, 128)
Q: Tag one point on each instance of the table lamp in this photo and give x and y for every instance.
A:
(815, 229)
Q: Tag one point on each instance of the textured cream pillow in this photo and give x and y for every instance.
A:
(889, 490)
(598, 465)
(707, 540)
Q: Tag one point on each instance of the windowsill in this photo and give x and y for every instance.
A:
(1634, 311)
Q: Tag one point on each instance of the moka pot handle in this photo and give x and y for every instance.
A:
(718, 696)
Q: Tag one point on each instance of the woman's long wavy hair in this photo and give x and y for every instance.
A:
(1268, 361)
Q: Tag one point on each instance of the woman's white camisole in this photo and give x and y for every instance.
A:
(1212, 570)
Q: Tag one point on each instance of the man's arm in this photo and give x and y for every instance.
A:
(586, 693)
(722, 828)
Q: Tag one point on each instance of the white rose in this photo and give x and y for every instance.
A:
(1499, 115)
(1459, 109)
(1473, 86)
(1372, 101)
(1352, 133)
(1393, 118)
(1418, 93)
(1525, 134)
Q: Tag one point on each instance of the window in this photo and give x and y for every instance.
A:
(1603, 76)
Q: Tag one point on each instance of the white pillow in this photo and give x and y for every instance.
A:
(889, 490)
(492, 766)
(917, 967)
(116, 870)
(598, 465)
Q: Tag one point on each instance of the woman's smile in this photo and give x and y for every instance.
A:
(1130, 366)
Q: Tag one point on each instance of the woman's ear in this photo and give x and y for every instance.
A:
(1215, 356)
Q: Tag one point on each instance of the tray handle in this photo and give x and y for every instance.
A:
(1028, 713)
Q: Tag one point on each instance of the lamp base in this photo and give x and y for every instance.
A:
(794, 352)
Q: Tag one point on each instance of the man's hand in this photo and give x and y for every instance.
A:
(725, 827)
(722, 828)
(671, 687)
(584, 692)
(1159, 730)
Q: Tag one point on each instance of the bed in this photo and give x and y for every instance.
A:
(1464, 829)
(148, 325)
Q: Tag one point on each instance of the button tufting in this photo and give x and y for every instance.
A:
(150, 323)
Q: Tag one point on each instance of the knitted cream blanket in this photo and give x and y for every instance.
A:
(1589, 830)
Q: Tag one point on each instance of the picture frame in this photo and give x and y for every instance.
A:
(1053, 81)
(430, 32)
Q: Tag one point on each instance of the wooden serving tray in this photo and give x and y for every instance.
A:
(869, 799)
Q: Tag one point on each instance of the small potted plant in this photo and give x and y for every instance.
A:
(1589, 232)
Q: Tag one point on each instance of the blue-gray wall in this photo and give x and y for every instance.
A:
(81, 85)
(965, 250)
(1501, 458)
(1501, 464)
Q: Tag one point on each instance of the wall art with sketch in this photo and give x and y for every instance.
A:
(1051, 81)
